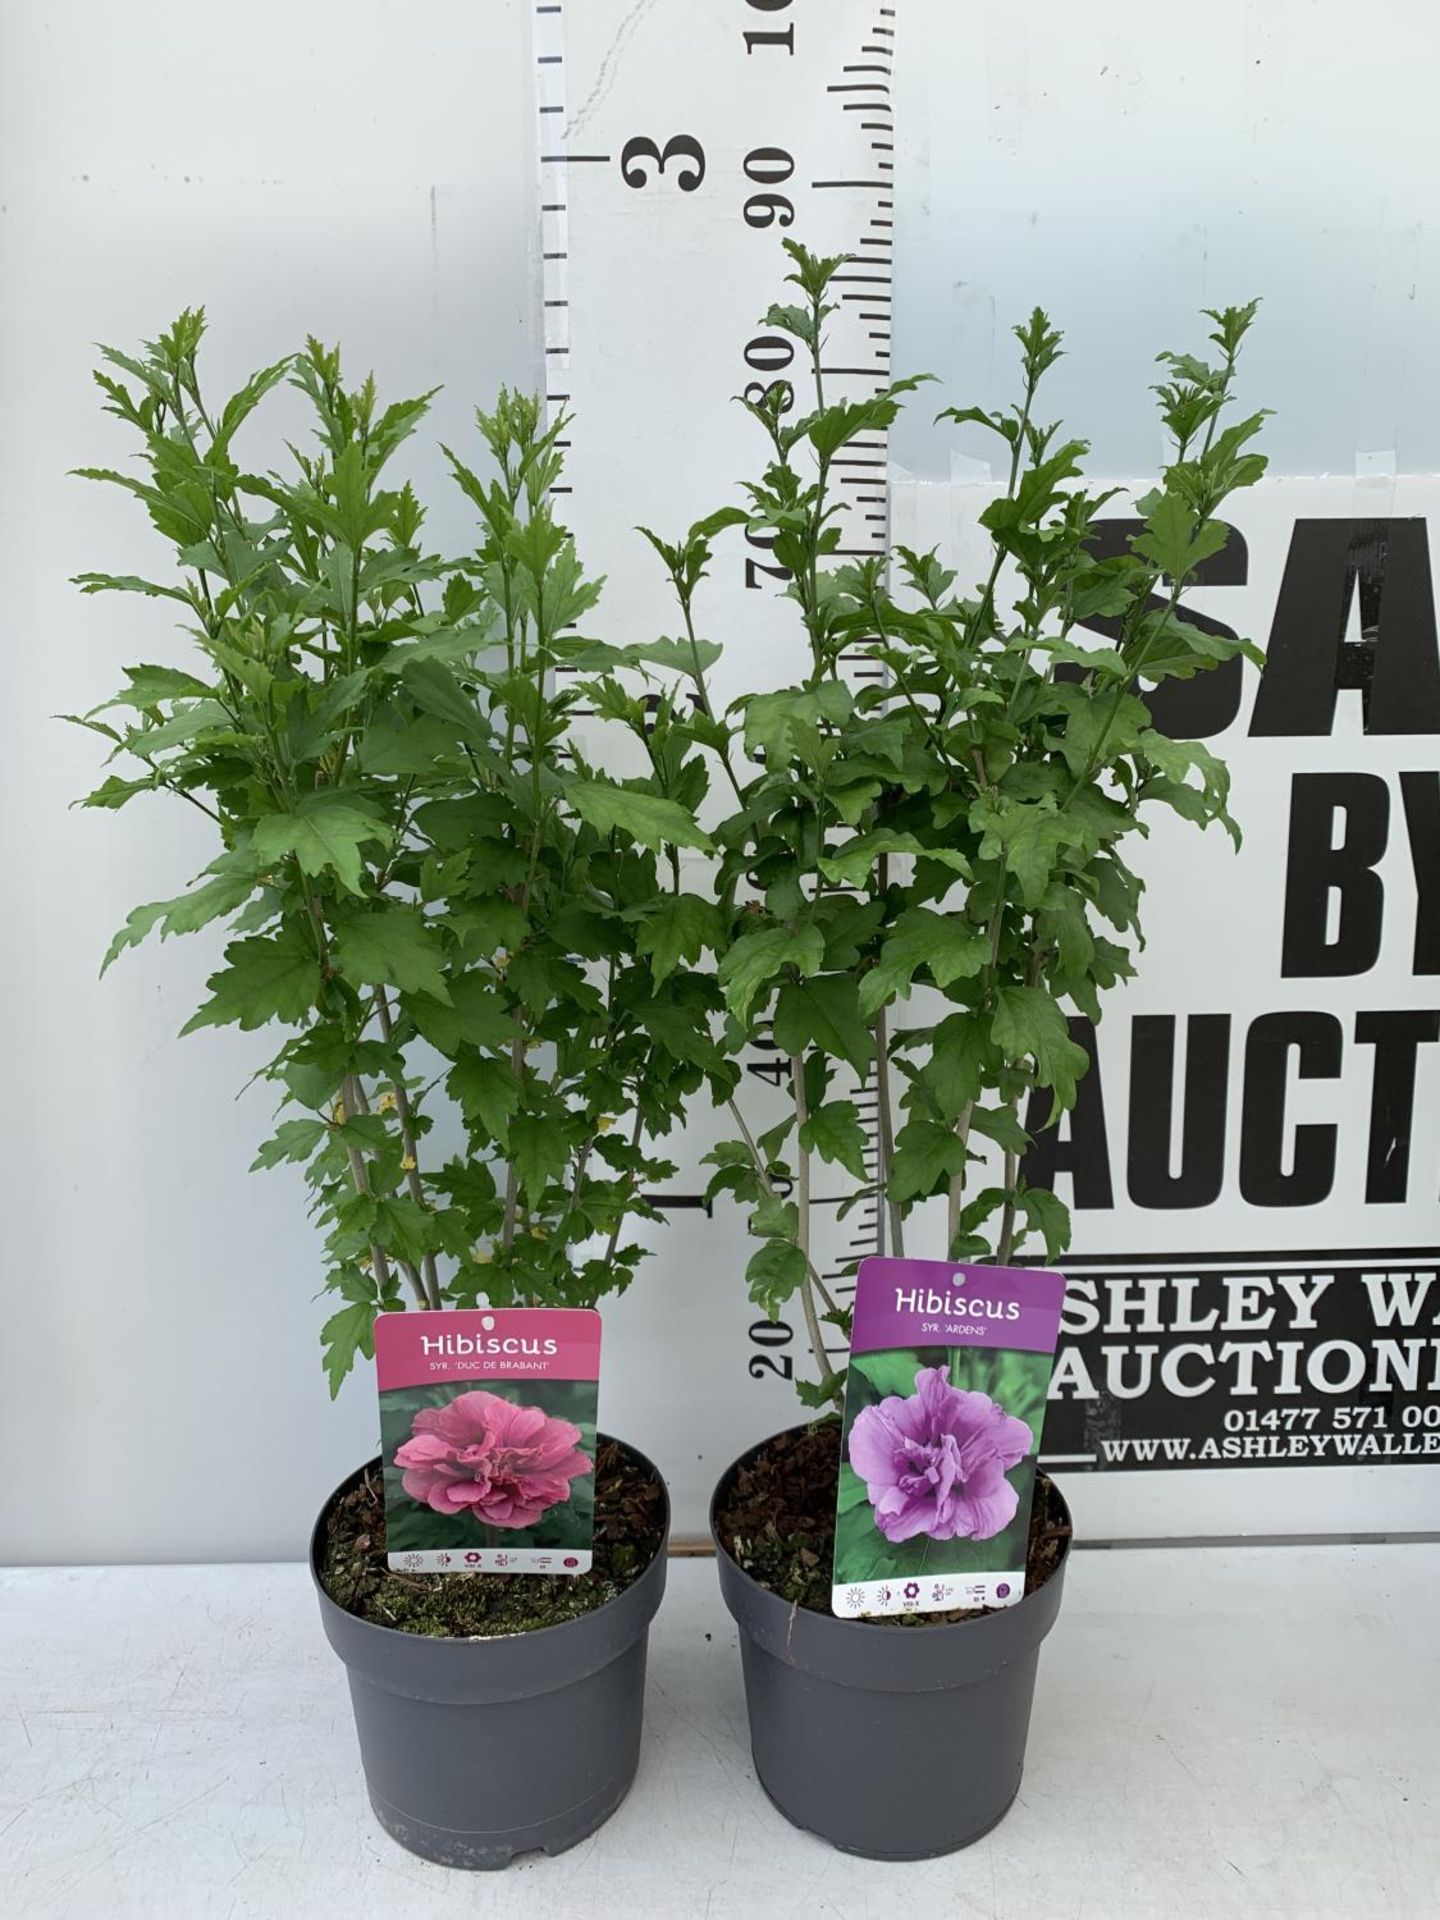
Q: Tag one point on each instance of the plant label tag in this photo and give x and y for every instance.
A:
(944, 1408)
(487, 1436)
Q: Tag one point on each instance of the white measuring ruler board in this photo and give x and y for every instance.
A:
(679, 141)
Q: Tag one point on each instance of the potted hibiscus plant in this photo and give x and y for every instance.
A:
(924, 873)
(454, 922)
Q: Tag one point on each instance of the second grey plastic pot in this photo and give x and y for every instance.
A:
(476, 1750)
(898, 1743)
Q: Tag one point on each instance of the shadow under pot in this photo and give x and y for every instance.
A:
(476, 1750)
(893, 1742)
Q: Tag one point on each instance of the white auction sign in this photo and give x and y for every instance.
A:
(1253, 1321)
(1252, 1332)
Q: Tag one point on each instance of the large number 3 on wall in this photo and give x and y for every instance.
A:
(683, 146)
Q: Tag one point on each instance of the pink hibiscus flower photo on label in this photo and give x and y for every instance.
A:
(480, 1454)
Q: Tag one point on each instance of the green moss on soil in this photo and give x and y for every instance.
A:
(779, 1524)
(629, 1529)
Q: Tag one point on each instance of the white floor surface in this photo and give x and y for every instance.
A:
(1217, 1732)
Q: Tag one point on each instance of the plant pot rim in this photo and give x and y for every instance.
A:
(902, 1657)
(642, 1594)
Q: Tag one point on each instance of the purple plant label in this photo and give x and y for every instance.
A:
(907, 1303)
(488, 1438)
(944, 1410)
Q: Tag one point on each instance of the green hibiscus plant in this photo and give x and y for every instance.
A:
(923, 873)
(424, 885)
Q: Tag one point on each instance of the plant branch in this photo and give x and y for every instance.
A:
(613, 1242)
(705, 707)
(353, 1094)
(957, 1180)
(994, 933)
(987, 598)
(170, 786)
(828, 1381)
(768, 1185)
(1122, 692)
(893, 1213)
(512, 1175)
(352, 1099)
(1005, 1244)
(407, 1138)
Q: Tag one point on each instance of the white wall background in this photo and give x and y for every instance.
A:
(1124, 166)
(364, 172)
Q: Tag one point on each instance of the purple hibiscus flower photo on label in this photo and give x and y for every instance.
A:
(935, 1463)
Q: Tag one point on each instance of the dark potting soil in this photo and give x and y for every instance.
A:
(629, 1527)
(779, 1524)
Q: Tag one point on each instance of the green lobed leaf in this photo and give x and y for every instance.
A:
(1048, 1215)
(1176, 540)
(1027, 1022)
(775, 1218)
(681, 927)
(391, 946)
(325, 834)
(539, 1152)
(834, 1132)
(187, 913)
(486, 1091)
(927, 1157)
(945, 944)
(345, 1336)
(647, 817)
(266, 977)
(824, 1013)
(757, 959)
(774, 1273)
(963, 1058)
(1000, 1125)
(1032, 839)
(292, 1140)
(473, 1014)
(852, 864)
(433, 687)
(147, 686)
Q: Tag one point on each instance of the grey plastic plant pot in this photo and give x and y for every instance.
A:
(477, 1750)
(897, 1743)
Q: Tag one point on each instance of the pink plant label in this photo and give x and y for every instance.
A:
(944, 1409)
(488, 1438)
